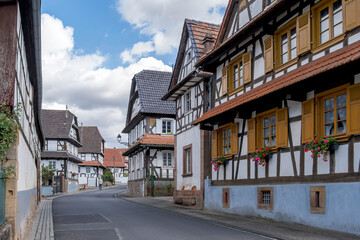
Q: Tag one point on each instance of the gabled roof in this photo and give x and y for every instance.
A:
(91, 140)
(151, 86)
(113, 156)
(91, 164)
(57, 124)
(197, 31)
(150, 140)
(331, 61)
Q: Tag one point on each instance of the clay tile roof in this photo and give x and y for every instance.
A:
(120, 160)
(91, 163)
(333, 60)
(91, 139)
(152, 140)
(200, 30)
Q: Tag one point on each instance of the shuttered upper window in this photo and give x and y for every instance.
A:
(224, 141)
(236, 74)
(285, 42)
(328, 21)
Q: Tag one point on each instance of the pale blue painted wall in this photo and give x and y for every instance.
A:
(46, 191)
(27, 204)
(72, 187)
(292, 204)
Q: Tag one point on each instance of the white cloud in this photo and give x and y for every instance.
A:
(97, 95)
(139, 49)
(163, 20)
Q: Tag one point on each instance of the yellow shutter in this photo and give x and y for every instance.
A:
(268, 54)
(224, 81)
(307, 121)
(214, 144)
(351, 14)
(234, 138)
(354, 109)
(246, 59)
(251, 135)
(282, 127)
(303, 41)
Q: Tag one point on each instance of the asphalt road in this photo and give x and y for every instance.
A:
(98, 215)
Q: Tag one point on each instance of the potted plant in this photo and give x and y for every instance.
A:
(261, 156)
(220, 160)
(319, 148)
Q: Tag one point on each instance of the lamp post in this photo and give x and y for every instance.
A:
(119, 140)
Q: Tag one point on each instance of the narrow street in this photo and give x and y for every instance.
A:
(100, 215)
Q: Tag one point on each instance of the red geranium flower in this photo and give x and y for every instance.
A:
(306, 150)
(267, 149)
(264, 155)
(316, 141)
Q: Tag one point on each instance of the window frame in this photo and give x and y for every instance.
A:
(88, 168)
(52, 165)
(277, 45)
(226, 127)
(261, 204)
(319, 116)
(187, 101)
(83, 156)
(168, 159)
(260, 129)
(315, 11)
(317, 199)
(187, 163)
(166, 121)
(235, 62)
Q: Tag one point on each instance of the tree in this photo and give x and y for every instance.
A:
(108, 176)
(47, 174)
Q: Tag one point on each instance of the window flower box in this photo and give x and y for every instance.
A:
(261, 156)
(319, 148)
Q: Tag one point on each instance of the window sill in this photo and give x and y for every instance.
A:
(230, 93)
(187, 175)
(286, 65)
(327, 44)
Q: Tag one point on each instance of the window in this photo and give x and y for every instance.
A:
(317, 200)
(265, 198)
(226, 198)
(166, 127)
(83, 156)
(188, 101)
(187, 160)
(61, 145)
(116, 170)
(94, 157)
(87, 169)
(46, 145)
(236, 74)
(334, 114)
(224, 141)
(52, 164)
(268, 129)
(167, 160)
(328, 21)
(286, 44)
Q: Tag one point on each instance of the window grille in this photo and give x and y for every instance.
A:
(266, 197)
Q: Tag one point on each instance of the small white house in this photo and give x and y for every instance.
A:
(117, 164)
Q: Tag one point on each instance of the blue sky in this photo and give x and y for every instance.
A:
(91, 49)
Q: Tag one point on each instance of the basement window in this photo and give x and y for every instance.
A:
(265, 198)
(317, 200)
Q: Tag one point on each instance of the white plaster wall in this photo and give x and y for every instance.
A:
(308, 164)
(296, 133)
(256, 8)
(27, 176)
(229, 170)
(242, 174)
(261, 171)
(356, 157)
(259, 68)
(286, 167)
(52, 145)
(273, 166)
(191, 136)
(323, 167)
(341, 158)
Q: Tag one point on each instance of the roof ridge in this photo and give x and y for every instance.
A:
(199, 21)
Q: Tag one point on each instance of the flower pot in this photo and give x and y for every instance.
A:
(334, 146)
(268, 157)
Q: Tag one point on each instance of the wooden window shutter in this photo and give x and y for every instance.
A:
(354, 109)
(307, 121)
(351, 14)
(251, 135)
(303, 41)
(214, 144)
(269, 54)
(224, 80)
(282, 127)
(234, 138)
(246, 59)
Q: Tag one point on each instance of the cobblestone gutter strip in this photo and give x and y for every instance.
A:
(43, 228)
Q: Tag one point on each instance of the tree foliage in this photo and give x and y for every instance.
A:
(47, 174)
(8, 128)
(108, 176)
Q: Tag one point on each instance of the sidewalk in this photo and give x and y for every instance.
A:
(257, 226)
(43, 227)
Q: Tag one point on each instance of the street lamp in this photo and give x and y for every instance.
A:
(119, 140)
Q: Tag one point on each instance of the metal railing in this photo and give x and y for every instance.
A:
(2, 199)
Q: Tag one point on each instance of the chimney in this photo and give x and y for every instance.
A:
(208, 42)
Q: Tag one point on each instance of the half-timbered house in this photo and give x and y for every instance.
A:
(150, 128)
(92, 156)
(189, 88)
(20, 88)
(117, 164)
(62, 142)
(287, 73)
